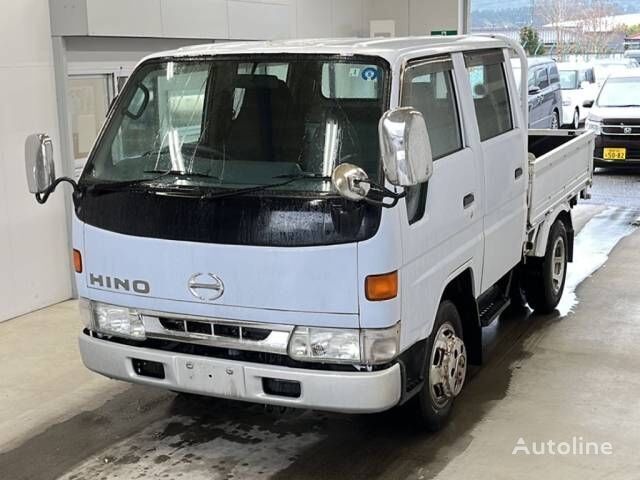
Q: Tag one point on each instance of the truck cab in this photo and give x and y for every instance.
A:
(324, 225)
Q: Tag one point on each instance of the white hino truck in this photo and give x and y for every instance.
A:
(319, 224)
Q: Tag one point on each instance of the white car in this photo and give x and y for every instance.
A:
(578, 83)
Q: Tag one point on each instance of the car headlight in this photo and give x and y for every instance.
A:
(112, 320)
(594, 125)
(566, 103)
(339, 345)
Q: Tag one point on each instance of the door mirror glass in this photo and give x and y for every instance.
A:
(38, 159)
(350, 181)
(405, 147)
(588, 103)
(534, 90)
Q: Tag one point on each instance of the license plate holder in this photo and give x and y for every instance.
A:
(615, 153)
(208, 377)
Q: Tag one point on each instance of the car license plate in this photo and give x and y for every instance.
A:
(615, 153)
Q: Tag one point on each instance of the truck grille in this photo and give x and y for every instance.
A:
(218, 333)
(252, 334)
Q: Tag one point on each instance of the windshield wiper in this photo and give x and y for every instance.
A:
(287, 179)
(303, 175)
(127, 184)
(179, 173)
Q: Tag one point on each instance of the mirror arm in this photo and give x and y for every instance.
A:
(42, 198)
(384, 192)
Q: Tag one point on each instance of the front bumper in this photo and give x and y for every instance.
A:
(630, 142)
(346, 392)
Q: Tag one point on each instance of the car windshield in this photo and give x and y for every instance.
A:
(620, 92)
(568, 79)
(245, 121)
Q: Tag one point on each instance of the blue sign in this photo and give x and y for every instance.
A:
(370, 74)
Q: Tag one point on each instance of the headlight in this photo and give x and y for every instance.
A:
(594, 125)
(336, 345)
(112, 320)
(566, 103)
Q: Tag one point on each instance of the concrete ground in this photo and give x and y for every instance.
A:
(547, 378)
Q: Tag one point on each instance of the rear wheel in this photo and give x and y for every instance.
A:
(545, 277)
(446, 368)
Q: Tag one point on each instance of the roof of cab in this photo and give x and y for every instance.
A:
(388, 48)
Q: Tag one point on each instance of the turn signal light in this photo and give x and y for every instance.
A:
(77, 261)
(381, 287)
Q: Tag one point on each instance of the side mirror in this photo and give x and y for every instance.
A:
(350, 181)
(534, 90)
(38, 159)
(588, 103)
(405, 147)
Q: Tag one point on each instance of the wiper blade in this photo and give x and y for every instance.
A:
(127, 184)
(287, 179)
(179, 173)
(304, 175)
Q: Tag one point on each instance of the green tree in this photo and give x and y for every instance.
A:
(632, 30)
(531, 41)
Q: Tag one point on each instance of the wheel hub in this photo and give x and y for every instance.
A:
(558, 265)
(448, 368)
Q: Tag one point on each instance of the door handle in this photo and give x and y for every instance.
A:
(519, 172)
(468, 200)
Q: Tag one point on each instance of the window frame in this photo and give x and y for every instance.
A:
(470, 59)
(416, 63)
(420, 61)
(542, 71)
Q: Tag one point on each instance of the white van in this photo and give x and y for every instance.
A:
(320, 224)
(578, 84)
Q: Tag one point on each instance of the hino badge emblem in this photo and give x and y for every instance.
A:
(206, 286)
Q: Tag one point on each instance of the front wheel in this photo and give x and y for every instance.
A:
(446, 368)
(545, 277)
(576, 120)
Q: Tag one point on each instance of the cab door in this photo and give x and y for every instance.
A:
(502, 147)
(442, 228)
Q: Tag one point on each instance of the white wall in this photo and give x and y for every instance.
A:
(417, 17)
(211, 19)
(34, 261)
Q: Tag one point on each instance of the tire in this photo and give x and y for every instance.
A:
(545, 277)
(555, 120)
(576, 119)
(446, 352)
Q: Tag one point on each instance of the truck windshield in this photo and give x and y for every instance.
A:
(239, 122)
(620, 92)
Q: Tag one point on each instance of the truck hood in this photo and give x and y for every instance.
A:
(303, 279)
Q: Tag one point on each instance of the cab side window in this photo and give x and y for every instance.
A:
(554, 76)
(542, 78)
(428, 87)
(490, 92)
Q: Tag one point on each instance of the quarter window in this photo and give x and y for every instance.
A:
(490, 93)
